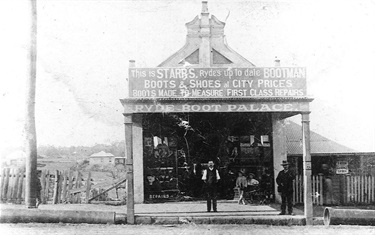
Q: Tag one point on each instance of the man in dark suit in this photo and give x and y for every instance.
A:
(284, 181)
(211, 177)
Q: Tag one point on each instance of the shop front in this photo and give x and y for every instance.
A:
(189, 116)
(206, 102)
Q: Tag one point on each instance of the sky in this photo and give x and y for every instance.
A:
(84, 47)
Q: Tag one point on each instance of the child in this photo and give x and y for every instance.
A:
(241, 183)
(252, 184)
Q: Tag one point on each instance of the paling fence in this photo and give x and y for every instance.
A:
(360, 189)
(317, 189)
(56, 187)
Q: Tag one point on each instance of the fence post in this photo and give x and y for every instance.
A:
(294, 190)
(373, 189)
(59, 190)
(24, 187)
(43, 184)
(300, 188)
(5, 185)
(55, 188)
(70, 196)
(77, 184)
(15, 185)
(366, 188)
(19, 187)
(10, 185)
(64, 187)
(321, 190)
(48, 179)
(88, 187)
(2, 183)
(352, 194)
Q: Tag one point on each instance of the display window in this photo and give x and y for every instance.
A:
(177, 147)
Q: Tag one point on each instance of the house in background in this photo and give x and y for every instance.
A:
(348, 175)
(14, 159)
(102, 158)
(340, 159)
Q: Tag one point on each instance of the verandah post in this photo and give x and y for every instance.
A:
(129, 167)
(307, 168)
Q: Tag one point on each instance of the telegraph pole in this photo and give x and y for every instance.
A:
(30, 130)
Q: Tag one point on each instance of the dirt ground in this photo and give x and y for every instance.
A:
(73, 229)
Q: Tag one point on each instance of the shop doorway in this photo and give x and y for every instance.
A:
(177, 147)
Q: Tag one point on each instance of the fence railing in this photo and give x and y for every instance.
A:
(360, 189)
(56, 186)
(317, 189)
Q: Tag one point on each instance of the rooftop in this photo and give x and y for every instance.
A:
(319, 144)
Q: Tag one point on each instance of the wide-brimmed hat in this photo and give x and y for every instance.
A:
(242, 172)
(284, 163)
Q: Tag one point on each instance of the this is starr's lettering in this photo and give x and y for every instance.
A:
(175, 73)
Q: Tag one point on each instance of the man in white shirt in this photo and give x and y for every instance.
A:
(211, 177)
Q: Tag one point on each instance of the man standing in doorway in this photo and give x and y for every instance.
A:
(211, 177)
(284, 181)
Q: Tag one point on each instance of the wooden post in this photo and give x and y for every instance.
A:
(2, 183)
(24, 188)
(10, 185)
(48, 179)
(307, 168)
(129, 168)
(20, 187)
(5, 185)
(64, 187)
(59, 190)
(88, 187)
(78, 185)
(30, 129)
(43, 184)
(56, 188)
(15, 188)
(70, 196)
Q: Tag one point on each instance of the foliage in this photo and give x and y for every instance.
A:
(49, 151)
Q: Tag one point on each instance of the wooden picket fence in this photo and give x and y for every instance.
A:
(12, 185)
(317, 189)
(360, 189)
(57, 186)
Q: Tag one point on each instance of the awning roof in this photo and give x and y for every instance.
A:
(319, 144)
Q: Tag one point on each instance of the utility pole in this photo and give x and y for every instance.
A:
(30, 130)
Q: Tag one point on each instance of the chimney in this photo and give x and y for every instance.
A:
(204, 7)
(277, 62)
(131, 63)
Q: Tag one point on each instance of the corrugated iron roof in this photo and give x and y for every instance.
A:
(102, 154)
(319, 144)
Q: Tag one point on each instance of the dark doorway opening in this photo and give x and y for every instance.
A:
(177, 147)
